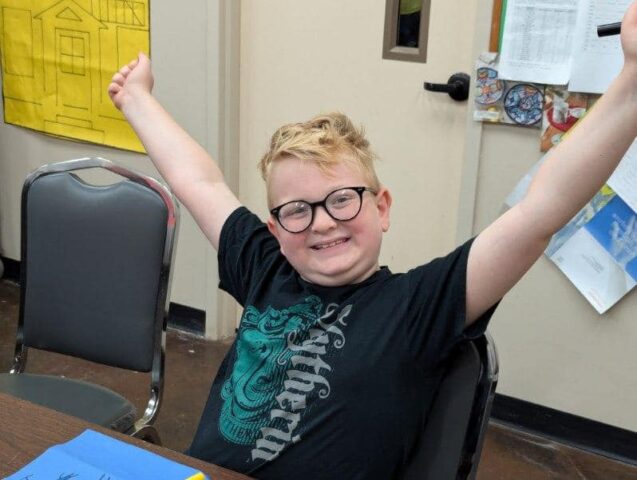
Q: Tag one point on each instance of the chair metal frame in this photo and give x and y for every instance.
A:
(470, 376)
(481, 411)
(143, 427)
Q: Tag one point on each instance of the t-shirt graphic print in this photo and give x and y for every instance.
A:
(282, 361)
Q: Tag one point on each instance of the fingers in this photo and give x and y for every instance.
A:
(114, 89)
(120, 76)
(118, 79)
(630, 12)
(125, 71)
(632, 8)
(142, 77)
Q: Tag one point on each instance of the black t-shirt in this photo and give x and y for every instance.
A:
(327, 382)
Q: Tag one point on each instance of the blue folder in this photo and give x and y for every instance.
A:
(95, 456)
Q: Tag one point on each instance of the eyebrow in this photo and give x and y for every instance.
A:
(318, 199)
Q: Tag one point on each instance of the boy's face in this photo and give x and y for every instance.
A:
(329, 252)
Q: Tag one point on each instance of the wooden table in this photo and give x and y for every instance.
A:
(27, 430)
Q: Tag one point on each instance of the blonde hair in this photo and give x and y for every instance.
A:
(321, 140)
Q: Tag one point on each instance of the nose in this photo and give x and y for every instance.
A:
(322, 221)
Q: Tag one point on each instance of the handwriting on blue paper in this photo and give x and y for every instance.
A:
(62, 476)
(94, 456)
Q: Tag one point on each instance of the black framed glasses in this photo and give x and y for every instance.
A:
(342, 205)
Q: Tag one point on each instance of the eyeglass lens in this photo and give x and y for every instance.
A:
(341, 205)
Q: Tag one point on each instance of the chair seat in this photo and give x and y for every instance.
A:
(87, 401)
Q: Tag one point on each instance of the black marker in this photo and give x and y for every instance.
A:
(609, 29)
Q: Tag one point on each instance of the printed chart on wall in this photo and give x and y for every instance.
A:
(58, 57)
(597, 249)
(556, 43)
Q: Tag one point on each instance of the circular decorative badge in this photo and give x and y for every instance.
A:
(523, 104)
(489, 88)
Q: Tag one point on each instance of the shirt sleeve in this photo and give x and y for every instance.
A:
(247, 251)
(437, 307)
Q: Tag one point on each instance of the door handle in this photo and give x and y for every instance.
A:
(457, 86)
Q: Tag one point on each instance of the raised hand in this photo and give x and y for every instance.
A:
(629, 36)
(132, 78)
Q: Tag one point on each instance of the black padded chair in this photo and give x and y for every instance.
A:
(94, 285)
(451, 442)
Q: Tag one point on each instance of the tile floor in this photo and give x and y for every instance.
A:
(191, 363)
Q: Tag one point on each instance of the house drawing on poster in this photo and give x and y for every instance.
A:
(58, 57)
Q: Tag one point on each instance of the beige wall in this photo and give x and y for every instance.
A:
(554, 348)
(297, 60)
(191, 72)
(300, 58)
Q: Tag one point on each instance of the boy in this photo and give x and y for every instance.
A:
(337, 358)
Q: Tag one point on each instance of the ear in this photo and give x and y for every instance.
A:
(274, 230)
(271, 223)
(383, 203)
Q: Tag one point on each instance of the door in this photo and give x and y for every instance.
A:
(300, 58)
(73, 78)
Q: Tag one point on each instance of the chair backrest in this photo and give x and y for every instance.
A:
(95, 266)
(451, 442)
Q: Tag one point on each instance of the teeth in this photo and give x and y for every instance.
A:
(328, 245)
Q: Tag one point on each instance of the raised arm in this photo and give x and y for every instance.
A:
(192, 174)
(575, 170)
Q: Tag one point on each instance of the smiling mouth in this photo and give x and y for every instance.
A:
(323, 246)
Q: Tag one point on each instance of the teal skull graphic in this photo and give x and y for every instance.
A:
(259, 371)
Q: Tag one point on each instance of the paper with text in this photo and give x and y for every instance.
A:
(597, 248)
(624, 178)
(601, 258)
(537, 40)
(596, 60)
(96, 456)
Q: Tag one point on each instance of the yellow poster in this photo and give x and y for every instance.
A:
(58, 57)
